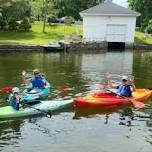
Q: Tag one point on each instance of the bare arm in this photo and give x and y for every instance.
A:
(131, 79)
(24, 77)
(133, 87)
(110, 84)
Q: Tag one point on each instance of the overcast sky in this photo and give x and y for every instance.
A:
(121, 2)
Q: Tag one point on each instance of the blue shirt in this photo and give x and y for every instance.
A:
(14, 103)
(37, 82)
(124, 90)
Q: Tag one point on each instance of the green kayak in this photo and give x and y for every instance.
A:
(8, 112)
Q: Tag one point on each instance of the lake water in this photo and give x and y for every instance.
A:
(73, 130)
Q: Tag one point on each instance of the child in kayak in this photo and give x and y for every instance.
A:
(125, 89)
(14, 98)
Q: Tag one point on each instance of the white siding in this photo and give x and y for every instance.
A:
(96, 28)
(116, 32)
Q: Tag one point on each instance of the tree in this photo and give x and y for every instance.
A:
(4, 1)
(45, 13)
(73, 7)
(16, 10)
(13, 25)
(3, 23)
(25, 25)
(145, 8)
(47, 10)
(68, 20)
(12, 11)
(149, 27)
(36, 9)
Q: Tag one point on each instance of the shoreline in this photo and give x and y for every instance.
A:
(74, 46)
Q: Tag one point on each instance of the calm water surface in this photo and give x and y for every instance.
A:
(72, 130)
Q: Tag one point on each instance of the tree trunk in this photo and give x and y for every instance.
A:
(44, 17)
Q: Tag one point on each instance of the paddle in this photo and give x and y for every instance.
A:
(46, 113)
(6, 89)
(136, 103)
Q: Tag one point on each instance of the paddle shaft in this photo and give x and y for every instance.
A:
(47, 114)
(136, 103)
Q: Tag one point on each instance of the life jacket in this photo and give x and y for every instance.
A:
(14, 103)
(37, 82)
(124, 90)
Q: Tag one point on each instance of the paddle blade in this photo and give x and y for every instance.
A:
(49, 115)
(6, 90)
(137, 104)
(63, 88)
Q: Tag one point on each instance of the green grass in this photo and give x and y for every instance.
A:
(37, 37)
(53, 33)
(140, 38)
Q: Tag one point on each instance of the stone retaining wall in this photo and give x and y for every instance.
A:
(20, 48)
(142, 47)
(88, 46)
(77, 46)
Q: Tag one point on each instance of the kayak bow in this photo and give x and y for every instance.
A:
(8, 112)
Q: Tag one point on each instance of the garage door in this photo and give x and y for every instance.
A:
(116, 33)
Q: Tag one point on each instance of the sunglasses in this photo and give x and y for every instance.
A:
(124, 80)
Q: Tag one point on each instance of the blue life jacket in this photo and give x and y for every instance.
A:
(124, 90)
(14, 103)
(37, 82)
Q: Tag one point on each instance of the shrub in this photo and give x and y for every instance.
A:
(149, 27)
(13, 25)
(3, 24)
(32, 19)
(25, 25)
(69, 20)
(138, 29)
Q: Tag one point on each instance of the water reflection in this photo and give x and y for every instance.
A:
(10, 133)
(142, 69)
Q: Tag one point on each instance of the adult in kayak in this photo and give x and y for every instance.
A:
(37, 81)
(125, 89)
(37, 87)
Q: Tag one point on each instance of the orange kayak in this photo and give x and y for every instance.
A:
(106, 99)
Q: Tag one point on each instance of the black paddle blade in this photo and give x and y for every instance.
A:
(45, 113)
(49, 115)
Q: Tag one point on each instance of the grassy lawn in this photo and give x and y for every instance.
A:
(53, 34)
(140, 38)
(37, 37)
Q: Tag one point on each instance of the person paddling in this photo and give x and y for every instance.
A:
(125, 89)
(14, 98)
(37, 80)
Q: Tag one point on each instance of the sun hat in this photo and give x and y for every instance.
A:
(15, 90)
(124, 78)
(36, 71)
